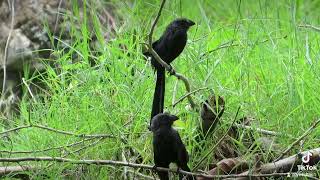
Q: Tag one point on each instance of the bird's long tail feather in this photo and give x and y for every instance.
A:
(158, 96)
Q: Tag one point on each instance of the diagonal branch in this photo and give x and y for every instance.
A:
(307, 132)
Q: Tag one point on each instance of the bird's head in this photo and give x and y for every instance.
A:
(162, 120)
(181, 23)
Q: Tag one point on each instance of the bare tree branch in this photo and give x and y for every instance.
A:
(306, 133)
(232, 44)
(310, 27)
(15, 129)
(4, 66)
(284, 165)
(47, 149)
(14, 169)
(62, 132)
(262, 131)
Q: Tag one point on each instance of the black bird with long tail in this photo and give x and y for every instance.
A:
(168, 47)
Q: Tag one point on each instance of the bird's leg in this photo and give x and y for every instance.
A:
(154, 169)
(181, 176)
(171, 70)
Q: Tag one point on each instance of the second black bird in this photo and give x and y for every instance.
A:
(167, 145)
(168, 47)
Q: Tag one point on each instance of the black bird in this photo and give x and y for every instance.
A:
(167, 145)
(168, 47)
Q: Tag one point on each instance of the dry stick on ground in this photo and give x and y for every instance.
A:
(133, 165)
(164, 64)
(314, 125)
(310, 27)
(286, 164)
(14, 169)
(218, 143)
(4, 66)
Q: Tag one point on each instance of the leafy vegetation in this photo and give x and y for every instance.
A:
(271, 70)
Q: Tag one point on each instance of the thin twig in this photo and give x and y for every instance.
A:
(231, 44)
(47, 149)
(218, 143)
(78, 150)
(174, 94)
(29, 90)
(188, 88)
(4, 66)
(125, 168)
(222, 46)
(62, 132)
(187, 95)
(155, 22)
(309, 26)
(14, 169)
(308, 51)
(265, 132)
(262, 131)
(164, 64)
(142, 175)
(306, 133)
(57, 18)
(73, 134)
(85, 147)
(15, 129)
(133, 165)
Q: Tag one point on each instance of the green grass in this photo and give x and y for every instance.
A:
(272, 81)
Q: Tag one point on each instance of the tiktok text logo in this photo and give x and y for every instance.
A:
(305, 159)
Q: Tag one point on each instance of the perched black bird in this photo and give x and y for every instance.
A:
(168, 47)
(167, 145)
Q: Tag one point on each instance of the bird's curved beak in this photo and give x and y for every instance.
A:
(191, 23)
(173, 118)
